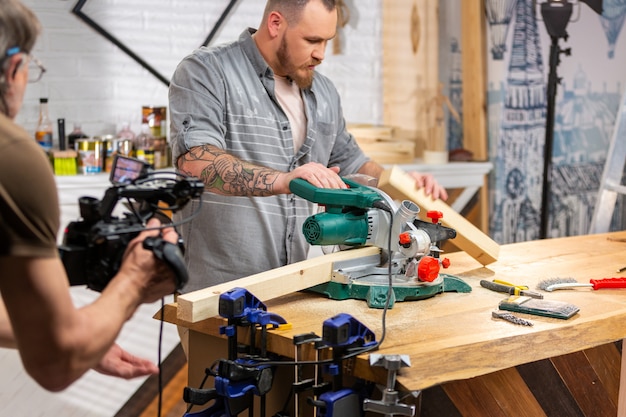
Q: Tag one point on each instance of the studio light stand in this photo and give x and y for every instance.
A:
(556, 15)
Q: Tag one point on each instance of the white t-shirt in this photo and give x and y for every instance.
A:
(288, 94)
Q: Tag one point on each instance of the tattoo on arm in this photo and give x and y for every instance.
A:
(225, 174)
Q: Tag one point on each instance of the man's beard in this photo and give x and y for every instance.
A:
(290, 70)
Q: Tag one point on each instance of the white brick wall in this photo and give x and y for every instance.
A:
(92, 82)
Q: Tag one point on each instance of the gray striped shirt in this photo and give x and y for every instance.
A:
(224, 96)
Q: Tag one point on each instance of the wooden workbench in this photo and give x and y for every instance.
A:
(457, 349)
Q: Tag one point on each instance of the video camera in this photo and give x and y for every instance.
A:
(93, 247)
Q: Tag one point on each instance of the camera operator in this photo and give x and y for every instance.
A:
(57, 342)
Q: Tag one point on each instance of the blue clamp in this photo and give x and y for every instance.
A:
(239, 303)
(343, 330)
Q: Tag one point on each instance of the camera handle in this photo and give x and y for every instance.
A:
(171, 254)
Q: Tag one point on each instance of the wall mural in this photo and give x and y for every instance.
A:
(593, 81)
(82, 14)
(585, 117)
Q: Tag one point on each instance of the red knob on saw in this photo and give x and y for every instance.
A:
(428, 269)
(405, 239)
(445, 262)
(434, 215)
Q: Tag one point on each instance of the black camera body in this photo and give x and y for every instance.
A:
(93, 247)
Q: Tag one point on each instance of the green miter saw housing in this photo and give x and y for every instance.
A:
(360, 215)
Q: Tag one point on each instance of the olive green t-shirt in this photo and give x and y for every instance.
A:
(29, 206)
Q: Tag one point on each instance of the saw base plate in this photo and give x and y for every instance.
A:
(376, 295)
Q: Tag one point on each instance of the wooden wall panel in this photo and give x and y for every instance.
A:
(474, 62)
(411, 70)
(410, 65)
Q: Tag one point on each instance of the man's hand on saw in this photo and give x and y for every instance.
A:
(315, 173)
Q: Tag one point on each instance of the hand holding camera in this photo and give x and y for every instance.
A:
(93, 248)
(153, 262)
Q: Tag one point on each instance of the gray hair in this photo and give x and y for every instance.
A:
(292, 9)
(19, 28)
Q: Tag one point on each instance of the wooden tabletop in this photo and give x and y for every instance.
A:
(453, 336)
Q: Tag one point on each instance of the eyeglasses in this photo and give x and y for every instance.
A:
(35, 67)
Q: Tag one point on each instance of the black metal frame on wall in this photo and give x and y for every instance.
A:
(77, 10)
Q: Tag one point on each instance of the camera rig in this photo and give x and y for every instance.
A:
(94, 246)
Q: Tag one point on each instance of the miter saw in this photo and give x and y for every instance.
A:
(361, 215)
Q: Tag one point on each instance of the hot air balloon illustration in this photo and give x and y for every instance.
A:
(499, 13)
(612, 19)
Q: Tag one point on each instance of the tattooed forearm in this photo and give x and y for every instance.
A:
(225, 174)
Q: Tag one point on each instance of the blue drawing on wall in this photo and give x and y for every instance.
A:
(612, 18)
(581, 139)
(521, 135)
(499, 14)
(517, 116)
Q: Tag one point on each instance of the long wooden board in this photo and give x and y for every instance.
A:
(400, 185)
(203, 304)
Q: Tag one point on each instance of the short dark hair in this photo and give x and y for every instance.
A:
(292, 9)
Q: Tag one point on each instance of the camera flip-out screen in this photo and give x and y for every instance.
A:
(125, 170)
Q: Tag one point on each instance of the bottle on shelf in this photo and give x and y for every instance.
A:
(124, 142)
(43, 133)
(77, 133)
(125, 132)
(61, 130)
(144, 145)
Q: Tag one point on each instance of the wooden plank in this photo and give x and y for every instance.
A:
(389, 152)
(400, 185)
(584, 384)
(502, 384)
(548, 388)
(202, 304)
(473, 399)
(605, 360)
(484, 206)
(435, 403)
(368, 131)
(473, 48)
(621, 407)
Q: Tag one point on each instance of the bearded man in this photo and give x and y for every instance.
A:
(247, 118)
